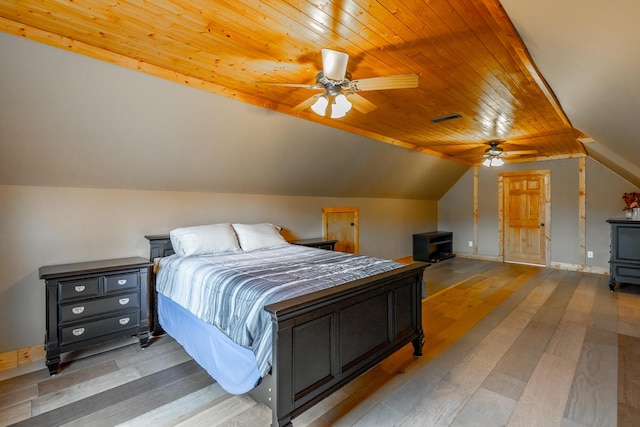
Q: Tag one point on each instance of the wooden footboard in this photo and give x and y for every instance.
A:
(325, 339)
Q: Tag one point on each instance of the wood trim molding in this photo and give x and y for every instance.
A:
(356, 221)
(500, 216)
(475, 209)
(496, 258)
(14, 358)
(555, 265)
(547, 214)
(582, 209)
(501, 19)
(547, 158)
(583, 268)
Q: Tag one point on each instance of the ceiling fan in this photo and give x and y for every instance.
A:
(336, 84)
(493, 156)
(495, 150)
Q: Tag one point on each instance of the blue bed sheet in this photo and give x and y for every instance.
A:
(232, 366)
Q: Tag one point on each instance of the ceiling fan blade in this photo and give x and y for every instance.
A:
(399, 81)
(520, 152)
(302, 85)
(469, 155)
(305, 104)
(334, 64)
(360, 103)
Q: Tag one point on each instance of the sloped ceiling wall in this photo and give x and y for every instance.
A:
(586, 51)
(71, 121)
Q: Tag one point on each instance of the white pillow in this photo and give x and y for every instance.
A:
(258, 236)
(204, 240)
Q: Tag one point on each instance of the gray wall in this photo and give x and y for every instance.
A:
(71, 121)
(604, 200)
(53, 225)
(604, 191)
(455, 213)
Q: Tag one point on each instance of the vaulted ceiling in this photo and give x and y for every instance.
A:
(470, 60)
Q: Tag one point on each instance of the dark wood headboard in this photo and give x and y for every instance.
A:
(159, 246)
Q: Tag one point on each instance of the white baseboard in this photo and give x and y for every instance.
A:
(496, 258)
(556, 265)
(583, 268)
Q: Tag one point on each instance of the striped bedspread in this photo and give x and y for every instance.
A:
(230, 290)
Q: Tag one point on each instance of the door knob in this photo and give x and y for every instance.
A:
(542, 224)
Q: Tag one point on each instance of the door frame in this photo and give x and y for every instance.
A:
(546, 173)
(325, 224)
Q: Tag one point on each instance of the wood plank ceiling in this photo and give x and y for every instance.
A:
(469, 58)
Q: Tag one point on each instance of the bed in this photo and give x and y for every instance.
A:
(306, 343)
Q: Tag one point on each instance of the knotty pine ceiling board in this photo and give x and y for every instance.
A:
(469, 58)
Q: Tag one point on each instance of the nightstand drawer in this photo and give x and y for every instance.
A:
(79, 310)
(328, 246)
(88, 330)
(79, 288)
(119, 282)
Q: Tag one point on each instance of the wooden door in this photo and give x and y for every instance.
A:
(525, 216)
(341, 224)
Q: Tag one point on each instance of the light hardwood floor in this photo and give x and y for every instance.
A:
(505, 344)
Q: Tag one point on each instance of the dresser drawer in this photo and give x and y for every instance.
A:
(79, 310)
(119, 282)
(84, 288)
(88, 330)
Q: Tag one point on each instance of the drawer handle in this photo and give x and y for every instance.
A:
(77, 310)
(122, 282)
(124, 320)
(123, 301)
(79, 288)
(77, 332)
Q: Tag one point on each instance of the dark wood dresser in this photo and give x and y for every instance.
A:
(90, 302)
(316, 243)
(624, 261)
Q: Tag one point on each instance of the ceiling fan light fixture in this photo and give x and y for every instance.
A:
(320, 106)
(340, 107)
(493, 154)
(493, 161)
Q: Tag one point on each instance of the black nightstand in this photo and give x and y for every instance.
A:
(316, 243)
(88, 303)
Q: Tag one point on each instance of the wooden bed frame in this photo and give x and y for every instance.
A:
(323, 340)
